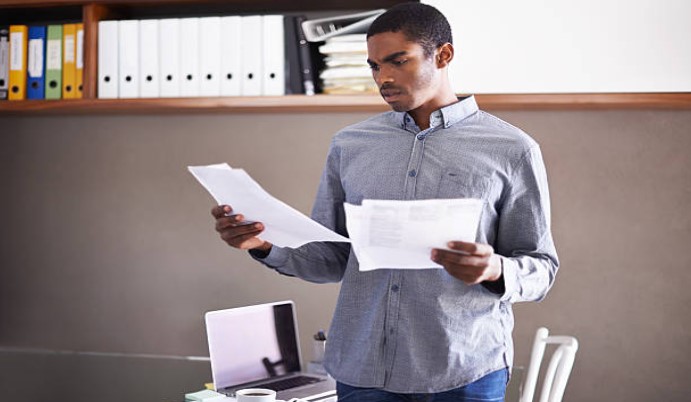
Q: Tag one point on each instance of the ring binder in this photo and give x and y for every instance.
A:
(323, 28)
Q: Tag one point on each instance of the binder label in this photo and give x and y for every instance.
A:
(4, 55)
(69, 48)
(53, 54)
(80, 49)
(17, 50)
(35, 67)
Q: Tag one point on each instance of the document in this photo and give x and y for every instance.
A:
(383, 233)
(402, 234)
(285, 226)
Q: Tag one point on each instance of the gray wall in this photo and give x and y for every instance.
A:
(107, 243)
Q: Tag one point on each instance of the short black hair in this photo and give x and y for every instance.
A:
(420, 23)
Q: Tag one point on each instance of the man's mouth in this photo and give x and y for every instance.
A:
(390, 94)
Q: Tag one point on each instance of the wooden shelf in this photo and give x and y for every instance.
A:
(236, 4)
(585, 101)
(336, 103)
(233, 104)
(93, 11)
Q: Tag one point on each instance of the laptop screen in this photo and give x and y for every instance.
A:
(253, 343)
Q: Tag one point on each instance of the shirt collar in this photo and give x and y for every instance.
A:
(446, 116)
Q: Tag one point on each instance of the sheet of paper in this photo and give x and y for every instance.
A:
(285, 226)
(402, 234)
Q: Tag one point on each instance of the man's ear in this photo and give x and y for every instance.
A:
(444, 55)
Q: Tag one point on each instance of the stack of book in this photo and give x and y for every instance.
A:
(344, 51)
(41, 62)
(347, 71)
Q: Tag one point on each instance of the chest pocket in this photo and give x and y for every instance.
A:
(456, 183)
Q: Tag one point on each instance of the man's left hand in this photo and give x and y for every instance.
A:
(472, 263)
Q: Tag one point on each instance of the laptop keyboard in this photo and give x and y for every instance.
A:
(292, 382)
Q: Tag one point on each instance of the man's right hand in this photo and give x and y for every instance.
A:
(238, 233)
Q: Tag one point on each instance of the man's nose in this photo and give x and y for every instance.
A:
(384, 76)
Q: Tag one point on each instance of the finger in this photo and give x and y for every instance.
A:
(471, 248)
(246, 240)
(451, 258)
(229, 221)
(241, 230)
(469, 275)
(220, 211)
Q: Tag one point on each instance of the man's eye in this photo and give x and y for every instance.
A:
(399, 62)
(374, 67)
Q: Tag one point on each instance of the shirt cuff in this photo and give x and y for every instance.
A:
(509, 268)
(497, 287)
(277, 256)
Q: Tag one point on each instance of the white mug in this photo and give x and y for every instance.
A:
(255, 395)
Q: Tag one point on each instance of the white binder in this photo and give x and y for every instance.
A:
(210, 56)
(128, 58)
(189, 57)
(108, 59)
(231, 56)
(273, 73)
(169, 57)
(149, 79)
(251, 51)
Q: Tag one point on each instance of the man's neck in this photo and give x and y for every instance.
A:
(422, 114)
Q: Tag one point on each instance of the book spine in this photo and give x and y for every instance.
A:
(307, 67)
(4, 61)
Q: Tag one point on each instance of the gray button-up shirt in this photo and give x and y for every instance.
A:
(413, 331)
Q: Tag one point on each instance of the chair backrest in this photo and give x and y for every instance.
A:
(558, 371)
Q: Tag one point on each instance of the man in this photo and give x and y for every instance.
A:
(432, 335)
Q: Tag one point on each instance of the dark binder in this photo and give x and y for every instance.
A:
(293, 74)
(4, 62)
(307, 61)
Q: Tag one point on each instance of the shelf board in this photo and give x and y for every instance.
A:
(336, 103)
(231, 104)
(257, 4)
(677, 100)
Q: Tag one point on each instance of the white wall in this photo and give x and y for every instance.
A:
(558, 46)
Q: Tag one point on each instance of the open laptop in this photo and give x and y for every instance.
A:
(257, 347)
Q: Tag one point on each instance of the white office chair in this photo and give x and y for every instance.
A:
(558, 371)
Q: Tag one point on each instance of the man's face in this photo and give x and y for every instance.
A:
(406, 78)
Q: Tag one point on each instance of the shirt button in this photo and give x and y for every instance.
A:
(420, 137)
(412, 173)
(394, 288)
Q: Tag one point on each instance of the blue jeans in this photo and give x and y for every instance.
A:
(490, 388)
